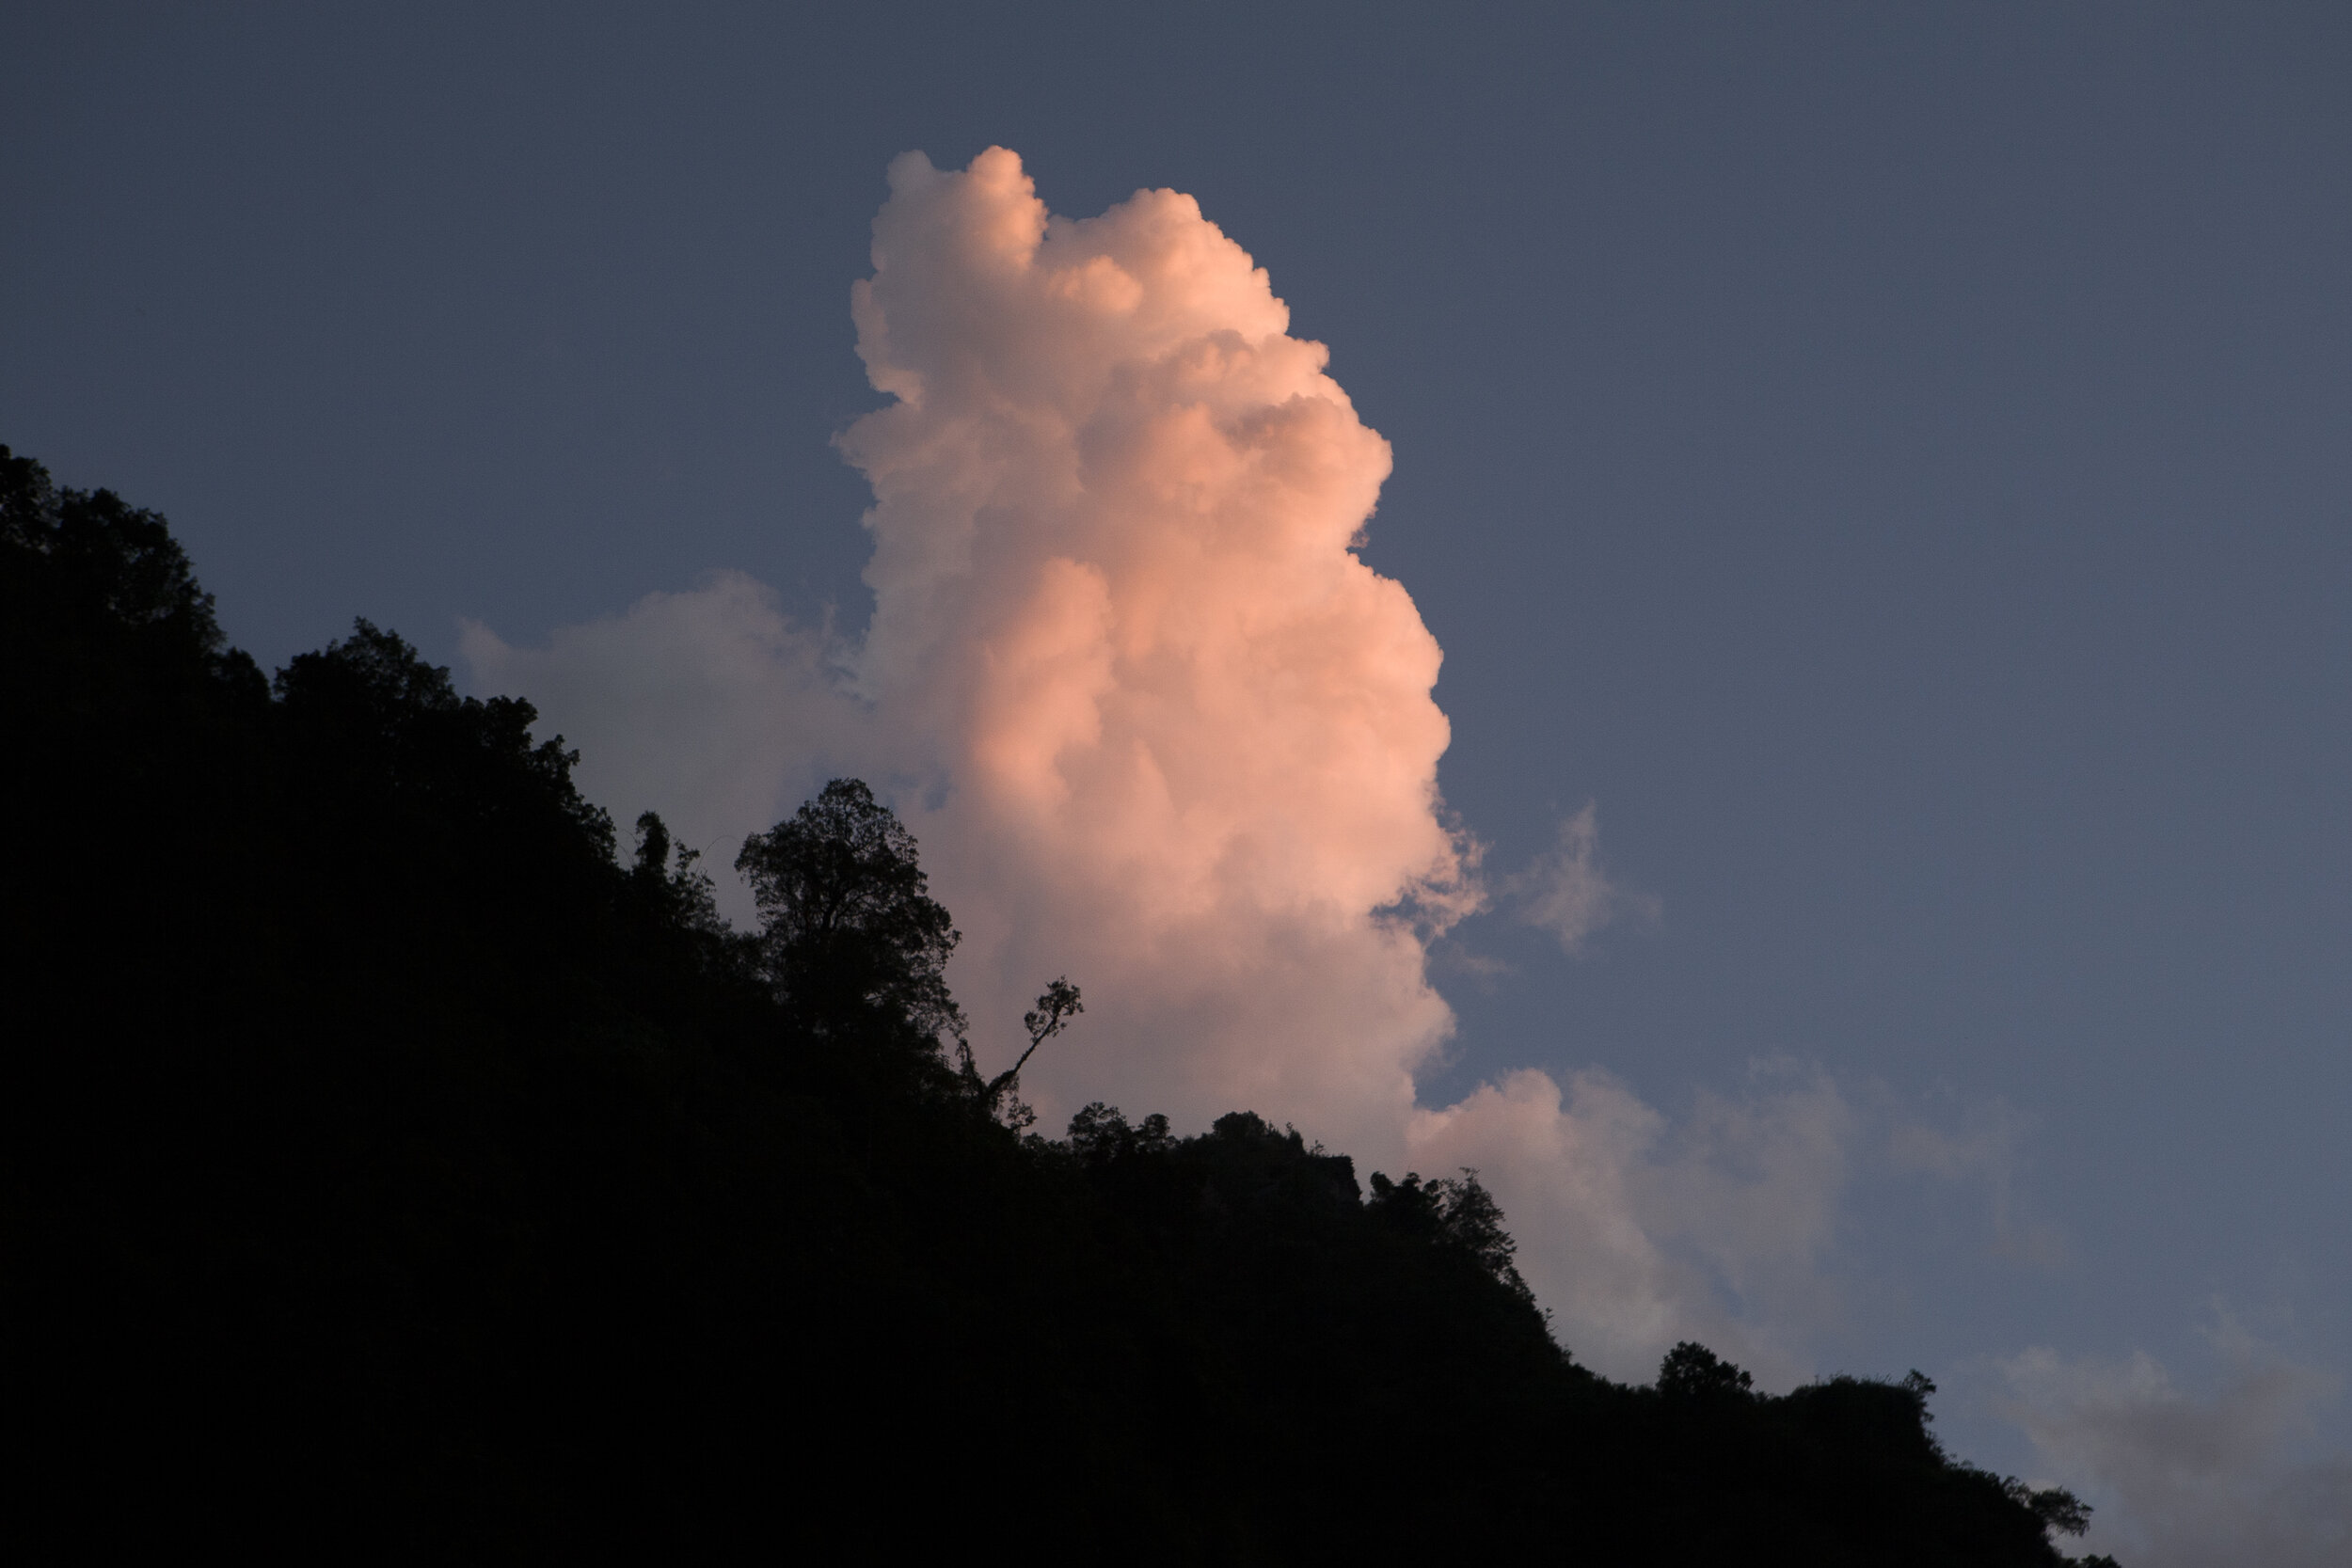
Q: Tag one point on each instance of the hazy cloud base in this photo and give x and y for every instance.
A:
(2186, 1480)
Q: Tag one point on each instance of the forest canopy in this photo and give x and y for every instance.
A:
(398, 1166)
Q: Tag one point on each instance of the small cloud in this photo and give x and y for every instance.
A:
(1565, 890)
(2182, 1479)
(1730, 1223)
(1639, 1229)
(709, 705)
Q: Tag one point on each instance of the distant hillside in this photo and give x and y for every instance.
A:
(396, 1168)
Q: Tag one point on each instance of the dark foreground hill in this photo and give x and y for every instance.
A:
(393, 1172)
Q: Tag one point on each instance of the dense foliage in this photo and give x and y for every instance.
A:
(392, 1171)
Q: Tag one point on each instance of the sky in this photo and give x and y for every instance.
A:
(1822, 773)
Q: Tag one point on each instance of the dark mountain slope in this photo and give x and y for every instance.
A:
(391, 1173)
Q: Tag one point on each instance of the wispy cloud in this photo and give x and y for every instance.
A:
(1566, 892)
(1985, 1151)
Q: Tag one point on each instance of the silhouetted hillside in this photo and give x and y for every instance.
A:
(395, 1169)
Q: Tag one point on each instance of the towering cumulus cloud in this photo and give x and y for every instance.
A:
(1159, 728)
(1184, 739)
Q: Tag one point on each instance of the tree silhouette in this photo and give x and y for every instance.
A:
(850, 928)
(1692, 1371)
(1100, 1133)
(1055, 1008)
(1460, 1212)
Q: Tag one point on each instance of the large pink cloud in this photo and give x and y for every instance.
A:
(1186, 735)
(1158, 727)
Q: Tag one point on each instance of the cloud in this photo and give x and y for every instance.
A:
(1565, 892)
(1159, 728)
(1647, 1234)
(708, 707)
(2188, 1480)
(1171, 735)
(1983, 1150)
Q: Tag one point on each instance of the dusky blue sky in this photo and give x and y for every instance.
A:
(1895, 461)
